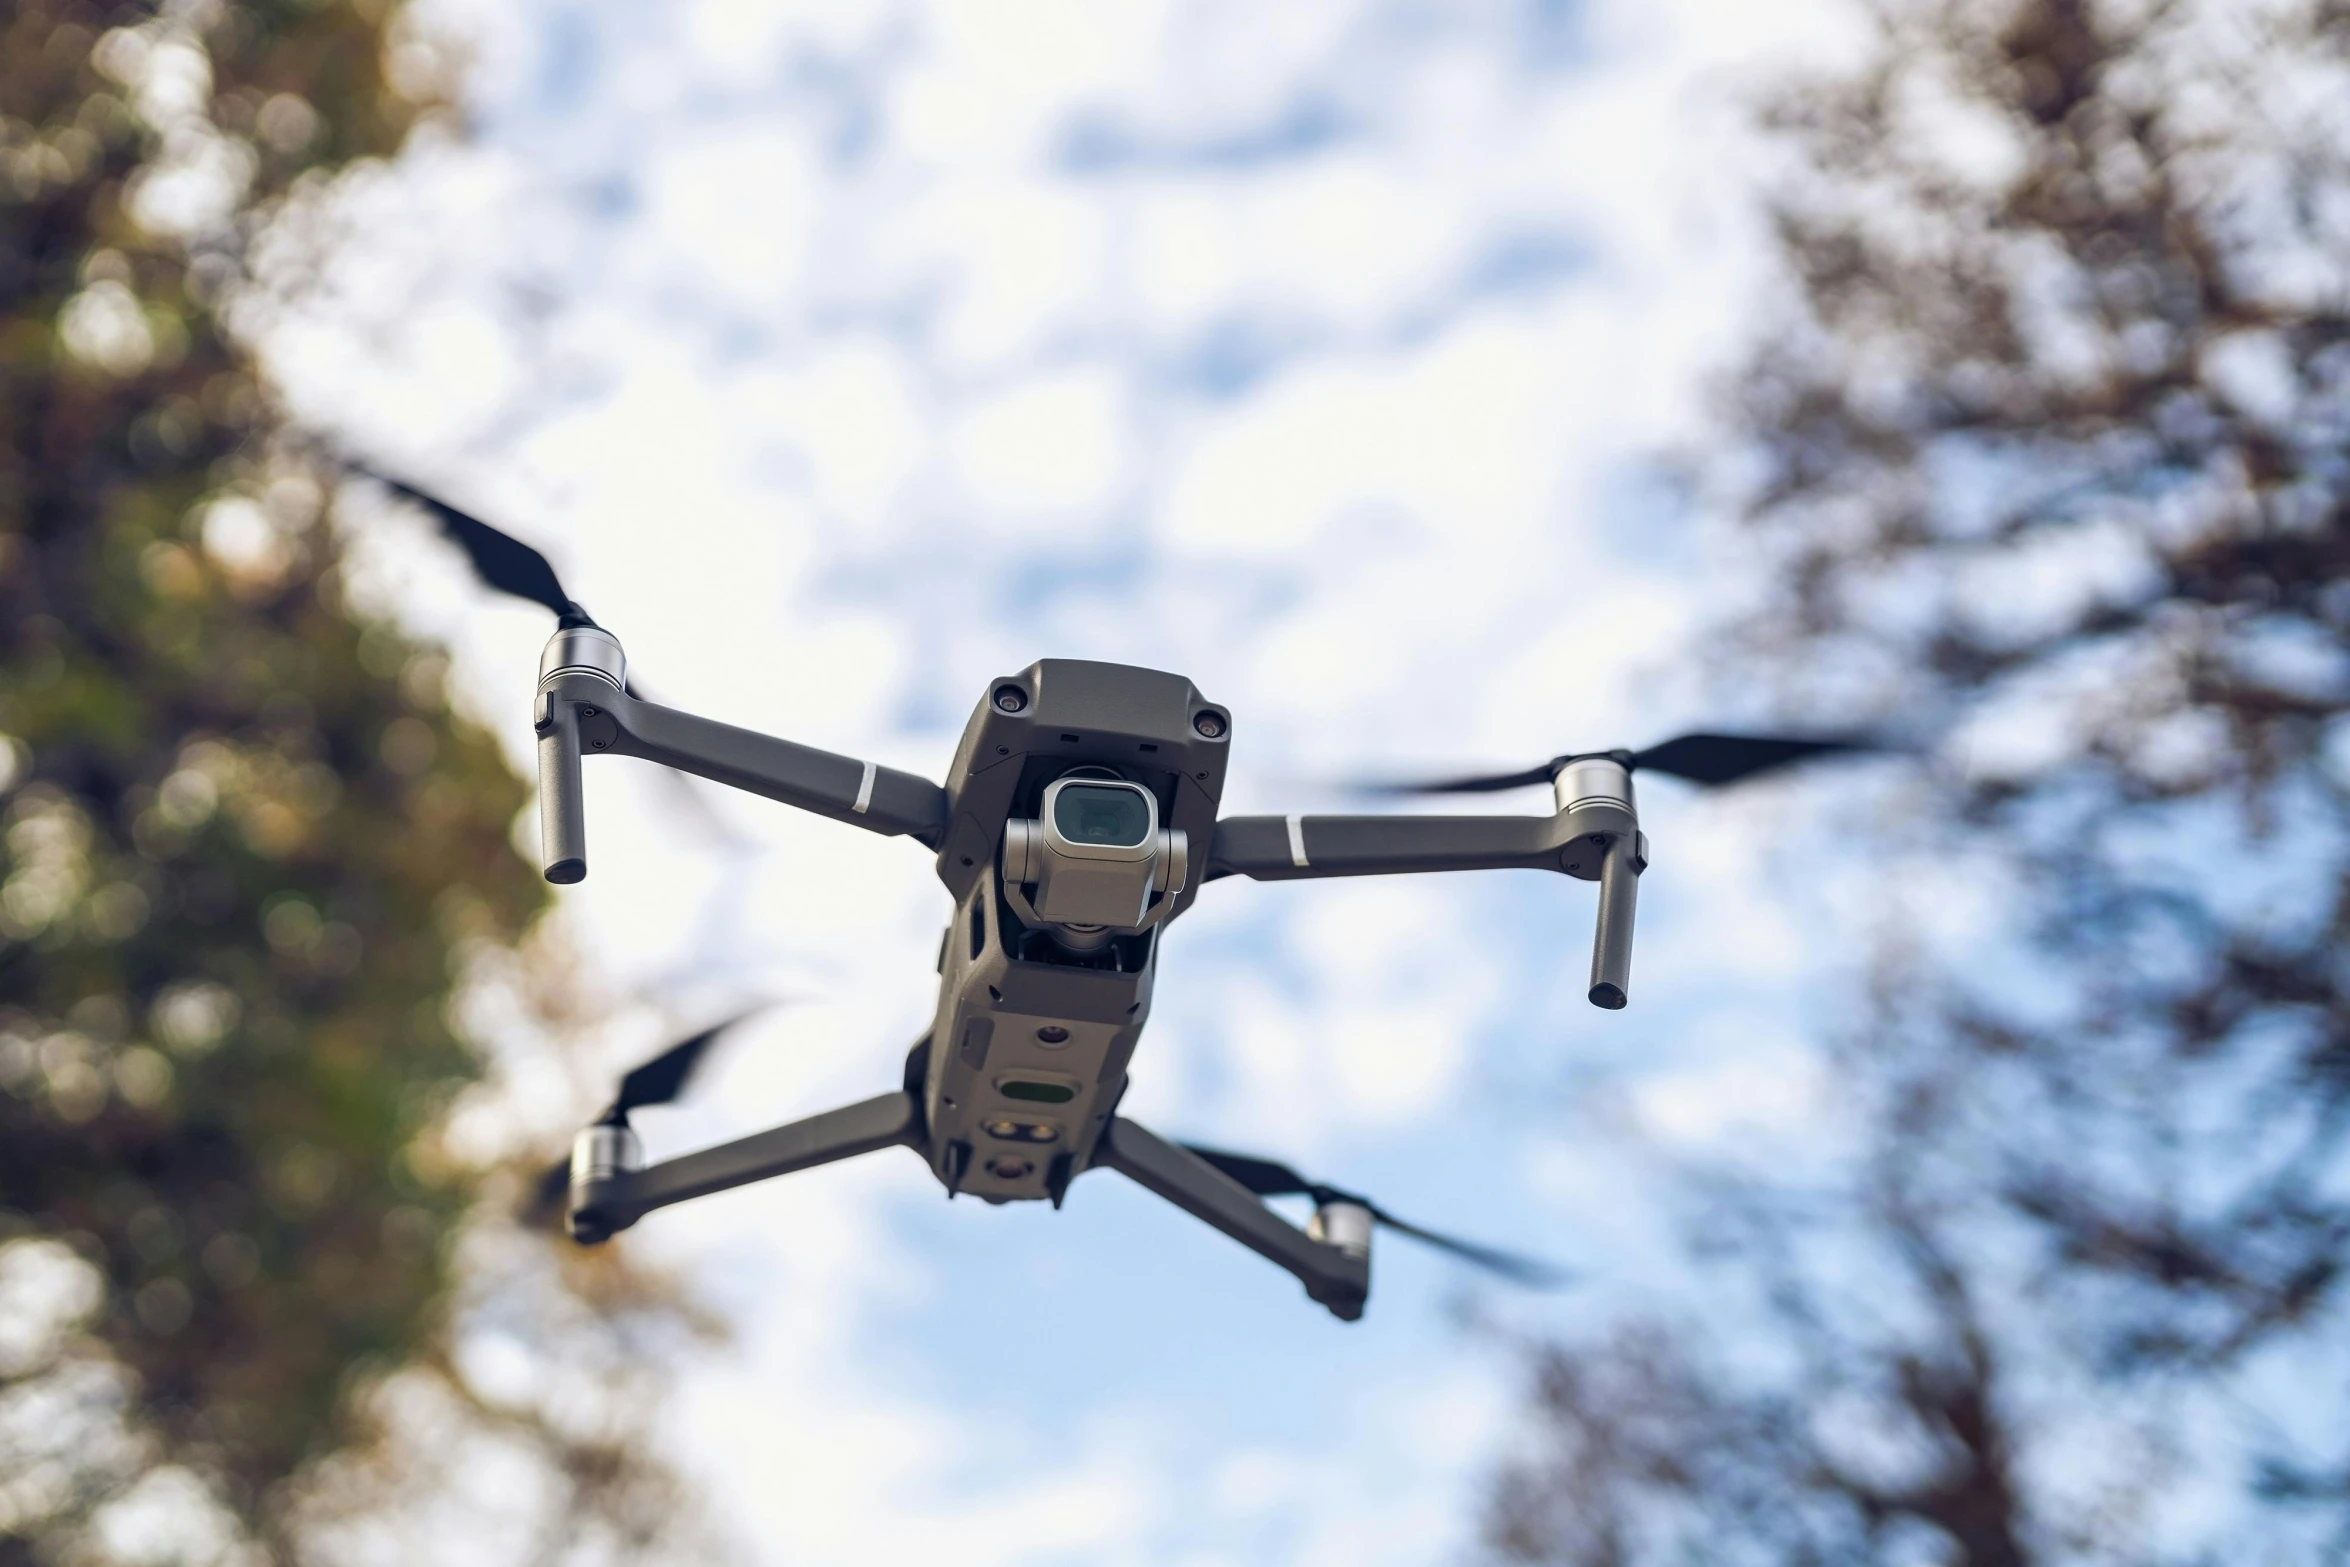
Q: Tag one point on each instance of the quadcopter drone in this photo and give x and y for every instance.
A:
(1079, 817)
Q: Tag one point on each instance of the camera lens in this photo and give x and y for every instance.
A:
(1105, 814)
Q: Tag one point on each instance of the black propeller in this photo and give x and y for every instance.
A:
(1267, 1178)
(501, 560)
(1700, 758)
(656, 1082)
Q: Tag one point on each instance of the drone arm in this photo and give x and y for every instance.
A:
(1595, 838)
(601, 1207)
(879, 799)
(1289, 848)
(1336, 1280)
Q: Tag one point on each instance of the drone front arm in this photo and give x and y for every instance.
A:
(1594, 838)
(585, 715)
(1290, 848)
(616, 1200)
(1332, 1277)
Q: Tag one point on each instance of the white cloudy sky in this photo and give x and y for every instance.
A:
(845, 357)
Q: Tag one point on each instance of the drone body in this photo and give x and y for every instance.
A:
(1037, 1019)
(1079, 817)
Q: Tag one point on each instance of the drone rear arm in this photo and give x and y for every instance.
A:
(1332, 1277)
(586, 715)
(609, 1201)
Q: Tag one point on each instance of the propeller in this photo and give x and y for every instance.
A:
(1701, 758)
(655, 1082)
(1268, 1178)
(501, 560)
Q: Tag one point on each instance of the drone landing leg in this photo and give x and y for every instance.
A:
(1611, 946)
(1331, 1277)
(600, 1208)
(562, 813)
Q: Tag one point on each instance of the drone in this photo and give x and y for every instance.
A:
(1080, 816)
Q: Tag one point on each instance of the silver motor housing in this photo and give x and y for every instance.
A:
(1345, 1225)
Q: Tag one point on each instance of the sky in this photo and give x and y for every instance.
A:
(845, 358)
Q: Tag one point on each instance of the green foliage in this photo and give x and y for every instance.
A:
(246, 844)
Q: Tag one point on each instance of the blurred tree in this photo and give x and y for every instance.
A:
(249, 854)
(2052, 461)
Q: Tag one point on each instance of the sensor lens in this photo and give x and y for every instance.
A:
(1037, 1093)
(1102, 814)
(1011, 1131)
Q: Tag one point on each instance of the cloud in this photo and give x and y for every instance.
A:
(1044, 452)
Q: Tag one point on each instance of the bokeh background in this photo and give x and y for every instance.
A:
(1436, 386)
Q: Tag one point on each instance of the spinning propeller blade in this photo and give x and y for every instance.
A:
(656, 1082)
(1728, 759)
(501, 560)
(1701, 758)
(1268, 1178)
(1481, 783)
(660, 1080)
(549, 1195)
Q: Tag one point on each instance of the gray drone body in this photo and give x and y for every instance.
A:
(1071, 807)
